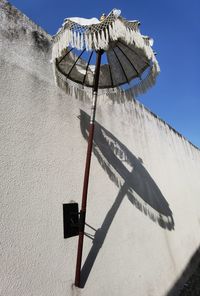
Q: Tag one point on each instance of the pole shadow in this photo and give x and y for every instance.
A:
(133, 181)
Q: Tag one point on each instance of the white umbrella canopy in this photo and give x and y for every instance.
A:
(126, 54)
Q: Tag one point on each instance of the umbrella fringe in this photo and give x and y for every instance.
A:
(146, 83)
(97, 37)
(85, 93)
(71, 88)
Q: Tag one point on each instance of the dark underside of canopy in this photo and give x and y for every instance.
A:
(123, 63)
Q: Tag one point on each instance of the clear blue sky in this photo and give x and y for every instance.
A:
(175, 27)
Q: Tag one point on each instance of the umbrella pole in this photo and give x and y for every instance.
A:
(87, 170)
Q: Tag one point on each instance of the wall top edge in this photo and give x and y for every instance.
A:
(18, 16)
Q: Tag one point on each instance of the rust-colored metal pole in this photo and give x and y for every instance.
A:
(87, 171)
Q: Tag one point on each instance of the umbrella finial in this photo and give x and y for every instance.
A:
(102, 18)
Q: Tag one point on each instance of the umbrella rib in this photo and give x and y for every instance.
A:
(129, 61)
(111, 78)
(121, 66)
(134, 52)
(75, 62)
(87, 67)
(65, 56)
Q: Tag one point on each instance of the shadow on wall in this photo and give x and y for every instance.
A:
(133, 180)
(189, 281)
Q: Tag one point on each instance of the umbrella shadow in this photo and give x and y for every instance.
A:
(133, 180)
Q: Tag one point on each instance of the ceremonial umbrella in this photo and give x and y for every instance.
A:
(123, 56)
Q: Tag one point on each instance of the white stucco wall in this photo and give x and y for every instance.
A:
(144, 186)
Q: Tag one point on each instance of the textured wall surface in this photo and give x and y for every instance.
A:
(144, 195)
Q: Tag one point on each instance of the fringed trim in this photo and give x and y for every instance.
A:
(96, 37)
(147, 82)
(71, 88)
(115, 94)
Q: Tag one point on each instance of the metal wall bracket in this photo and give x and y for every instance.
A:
(70, 220)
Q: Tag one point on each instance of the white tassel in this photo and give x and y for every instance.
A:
(81, 42)
(148, 82)
(86, 41)
(99, 44)
(90, 41)
(69, 37)
(105, 39)
(106, 35)
(111, 31)
(115, 31)
(138, 40)
(101, 40)
(73, 42)
(78, 41)
(95, 41)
